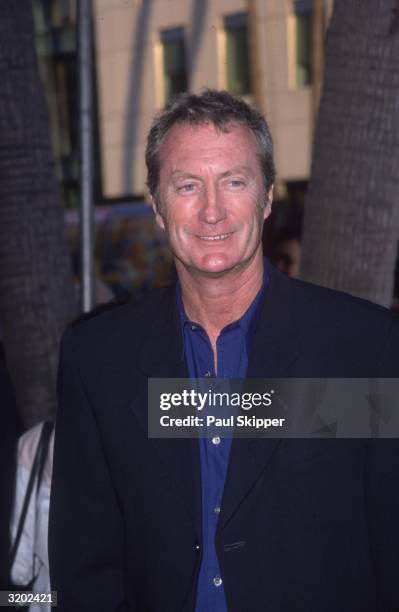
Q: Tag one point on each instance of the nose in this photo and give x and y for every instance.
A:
(212, 209)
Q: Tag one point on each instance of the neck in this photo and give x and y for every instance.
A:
(214, 302)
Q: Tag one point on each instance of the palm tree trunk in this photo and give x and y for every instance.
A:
(36, 290)
(352, 210)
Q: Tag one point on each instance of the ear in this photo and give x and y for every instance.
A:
(158, 217)
(268, 205)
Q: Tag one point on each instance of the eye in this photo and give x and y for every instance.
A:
(236, 183)
(187, 188)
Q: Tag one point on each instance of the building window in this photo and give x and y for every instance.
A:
(303, 32)
(174, 62)
(57, 53)
(238, 76)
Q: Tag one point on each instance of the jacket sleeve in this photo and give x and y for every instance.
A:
(86, 539)
(383, 512)
(383, 491)
(388, 362)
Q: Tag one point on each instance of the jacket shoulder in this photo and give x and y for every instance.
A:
(325, 303)
(346, 323)
(117, 326)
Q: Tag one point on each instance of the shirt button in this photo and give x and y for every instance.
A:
(207, 373)
(193, 327)
(216, 440)
(217, 581)
(197, 546)
(217, 510)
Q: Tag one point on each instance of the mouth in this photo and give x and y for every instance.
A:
(217, 238)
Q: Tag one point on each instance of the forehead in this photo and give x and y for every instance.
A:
(186, 144)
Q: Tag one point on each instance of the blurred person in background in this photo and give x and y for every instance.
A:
(286, 254)
(29, 522)
(9, 431)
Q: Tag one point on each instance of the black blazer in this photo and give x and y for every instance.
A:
(317, 519)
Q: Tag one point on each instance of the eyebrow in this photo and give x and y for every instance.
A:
(180, 174)
(235, 170)
(230, 172)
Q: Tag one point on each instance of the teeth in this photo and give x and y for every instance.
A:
(220, 237)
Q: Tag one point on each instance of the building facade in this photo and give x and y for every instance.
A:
(268, 51)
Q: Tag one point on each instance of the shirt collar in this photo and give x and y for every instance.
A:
(248, 321)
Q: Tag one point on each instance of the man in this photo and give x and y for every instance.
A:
(212, 525)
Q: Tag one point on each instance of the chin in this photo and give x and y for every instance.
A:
(215, 263)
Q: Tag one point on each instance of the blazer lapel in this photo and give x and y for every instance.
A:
(162, 357)
(276, 346)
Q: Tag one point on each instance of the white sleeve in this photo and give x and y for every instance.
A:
(22, 570)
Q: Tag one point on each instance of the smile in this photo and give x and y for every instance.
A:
(213, 238)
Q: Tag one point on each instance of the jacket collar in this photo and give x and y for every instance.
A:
(276, 346)
(161, 355)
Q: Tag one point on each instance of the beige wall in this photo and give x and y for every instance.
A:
(129, 71)
(287, 109)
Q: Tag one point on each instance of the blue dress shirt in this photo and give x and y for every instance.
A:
(233, 345)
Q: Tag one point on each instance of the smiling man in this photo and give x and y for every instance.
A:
(210, 525)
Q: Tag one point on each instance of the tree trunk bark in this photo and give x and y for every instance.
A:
(351, 223)
(36, 290)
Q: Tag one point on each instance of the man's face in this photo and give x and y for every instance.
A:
(212, 197)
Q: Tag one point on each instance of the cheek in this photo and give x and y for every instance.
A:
(179, 215)
(266, 211)
(159, 221)
(257, 214)
(258, 222)
(174, 227)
